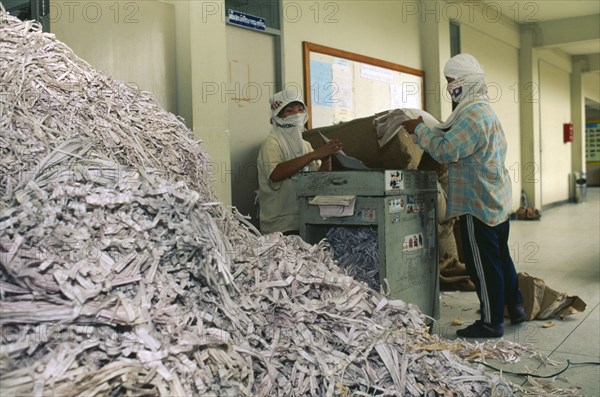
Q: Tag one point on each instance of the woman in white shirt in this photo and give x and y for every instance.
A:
(283, 154)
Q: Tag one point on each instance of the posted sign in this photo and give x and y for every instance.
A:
(247, 20)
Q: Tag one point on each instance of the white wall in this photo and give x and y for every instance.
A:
(378, 29)
(132, 41)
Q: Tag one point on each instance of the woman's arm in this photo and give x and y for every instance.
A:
(288, 168)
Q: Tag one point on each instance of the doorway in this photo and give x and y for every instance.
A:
(251, 81)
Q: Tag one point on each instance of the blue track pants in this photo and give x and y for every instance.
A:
(488, 262)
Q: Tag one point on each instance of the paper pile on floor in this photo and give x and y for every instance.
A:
(120, 273)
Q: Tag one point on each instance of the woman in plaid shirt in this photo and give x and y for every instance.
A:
(473, 144)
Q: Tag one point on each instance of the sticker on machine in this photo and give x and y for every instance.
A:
(397, 205)
(369, 214)
(413, 242)
(413, 205)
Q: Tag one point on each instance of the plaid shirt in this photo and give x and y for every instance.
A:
(475, 150)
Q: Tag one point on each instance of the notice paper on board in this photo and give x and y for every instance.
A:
(345, 160)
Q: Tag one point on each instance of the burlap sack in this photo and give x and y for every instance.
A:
(453, 274)
(359, 138)
(446, 240)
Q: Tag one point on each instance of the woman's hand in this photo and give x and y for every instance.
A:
(288, 168)
(326, 150)
(410, 125)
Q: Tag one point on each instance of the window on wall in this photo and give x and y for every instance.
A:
(454, 38)
(27, 10)
(18, 8)
(267, 9)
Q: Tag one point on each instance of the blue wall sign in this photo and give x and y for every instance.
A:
(247, 20)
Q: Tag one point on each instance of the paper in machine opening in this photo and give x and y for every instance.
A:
(345, 160)
(334, 206)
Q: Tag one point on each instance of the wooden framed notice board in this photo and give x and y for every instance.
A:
(342, 86)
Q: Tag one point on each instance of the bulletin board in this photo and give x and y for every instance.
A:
(592, 142)
(342, 86)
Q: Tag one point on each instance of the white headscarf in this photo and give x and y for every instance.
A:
(288, 131)
(468, 87)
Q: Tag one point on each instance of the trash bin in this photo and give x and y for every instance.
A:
(580, 187)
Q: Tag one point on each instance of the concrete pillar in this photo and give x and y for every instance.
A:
(435, 36)
(529, 108)
(577, 116)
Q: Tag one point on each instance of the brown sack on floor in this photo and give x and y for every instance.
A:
(542, 302)
(528, 214)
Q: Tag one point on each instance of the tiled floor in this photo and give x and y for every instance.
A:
(563, 249)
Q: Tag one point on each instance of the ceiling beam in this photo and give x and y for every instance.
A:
(592, 63)
(569, 30)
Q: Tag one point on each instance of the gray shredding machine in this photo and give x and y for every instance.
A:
(401, 204)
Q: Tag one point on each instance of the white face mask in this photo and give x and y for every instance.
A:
(288, 132)
(295, 120)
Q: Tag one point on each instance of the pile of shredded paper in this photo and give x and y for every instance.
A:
(121, 273)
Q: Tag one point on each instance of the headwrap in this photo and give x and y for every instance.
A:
(288, 131)
(468, 86)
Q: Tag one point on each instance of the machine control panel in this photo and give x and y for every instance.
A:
(394, 180)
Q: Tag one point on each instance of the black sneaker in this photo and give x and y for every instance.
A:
(479, 329)
(517, 314)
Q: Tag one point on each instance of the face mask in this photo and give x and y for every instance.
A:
(455, 89)
(295, 120)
